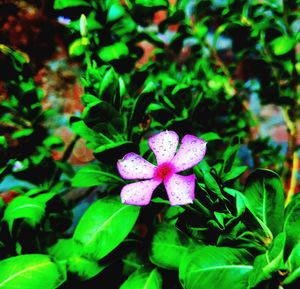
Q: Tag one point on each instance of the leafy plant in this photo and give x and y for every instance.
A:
(148, 67)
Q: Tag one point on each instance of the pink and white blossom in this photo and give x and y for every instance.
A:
(180, 189)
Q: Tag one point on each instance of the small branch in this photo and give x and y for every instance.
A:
(66, 156)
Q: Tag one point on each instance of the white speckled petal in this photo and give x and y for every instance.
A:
(190, 153)
(164, 146)
(133, 167)
(139, 193)
(180, 189)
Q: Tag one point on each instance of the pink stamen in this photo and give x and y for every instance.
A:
(164, 171)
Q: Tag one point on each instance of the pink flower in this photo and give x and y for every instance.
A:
(180, 189)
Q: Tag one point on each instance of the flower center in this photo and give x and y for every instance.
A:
(164, 171)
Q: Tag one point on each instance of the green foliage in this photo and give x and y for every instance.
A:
(63, 251)
(39, 270)
(150, 66)
(168, 246)
(103, 227)
(143, 278)
(212, 267)
(265, 195)
(91, 175)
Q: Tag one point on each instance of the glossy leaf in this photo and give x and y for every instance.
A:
(103, 227)
(113, 52)
(168, 246)
(30, 209)
(294, 266)
(92, 175)
(62, 4)
(210, 267)
(292, 226)
(32, 271)
(265, 196)
(143, 279)
(63, 250)
(267, 264)
(282, 45)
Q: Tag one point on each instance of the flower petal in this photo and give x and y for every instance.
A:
(180, 189)
(139, 193)
(164, 145)
(133, 166)
(190, 153)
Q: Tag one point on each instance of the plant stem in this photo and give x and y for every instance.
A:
(66, 156)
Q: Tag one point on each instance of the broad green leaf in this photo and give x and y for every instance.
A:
(291, 225)
(210, 267)
(265, 196)
(32, 271)
(113, 52)
(63, 250)
(103, 227)
(168, 246)
(62, 4)
(143, 279)
(294, 266)
(269, 263)
(282, 45)
(30, 209)
(91, 175)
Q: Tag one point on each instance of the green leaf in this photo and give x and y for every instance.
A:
(269, 263)
(234, 173)
(79, 127)
(77, 47)
(110, 153)
(265, 196)
(91, 175)
(282, 45)
(142, 102)
(32, 271)
(132, 261)
(143, 279)
(212, 267)
(113, 52)
(230, 155)
(30, 209)
(291, 225)
(103, 227)
(22, 133)
(152, 3)
(109, 85)
(294, 262)
(63, 251)
(102, 115)
(168, 246)
(62, 4)
(210, 136)
(115, 12)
